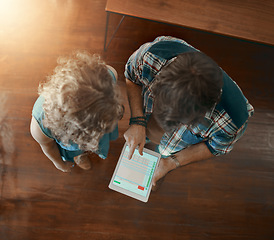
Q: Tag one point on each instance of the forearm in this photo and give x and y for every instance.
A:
(52, 152)
(136, 134)
(194, 153)
(134, 92)
(49, 147)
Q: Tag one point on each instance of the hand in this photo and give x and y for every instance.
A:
(135, 136)
(164, 167)
(64, 167)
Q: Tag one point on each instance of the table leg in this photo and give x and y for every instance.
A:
(106, 31)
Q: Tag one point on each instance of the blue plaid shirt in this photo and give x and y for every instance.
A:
(223, 126)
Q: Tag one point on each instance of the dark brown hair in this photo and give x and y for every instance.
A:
(186, 89)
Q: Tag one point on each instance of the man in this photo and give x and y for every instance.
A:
(181, 100)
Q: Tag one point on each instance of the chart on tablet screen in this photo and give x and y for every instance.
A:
(135, 174)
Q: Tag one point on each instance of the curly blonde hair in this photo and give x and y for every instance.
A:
(81, 100)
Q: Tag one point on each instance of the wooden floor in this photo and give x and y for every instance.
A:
(228, 197)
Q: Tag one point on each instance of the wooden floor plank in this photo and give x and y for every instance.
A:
(229, 197)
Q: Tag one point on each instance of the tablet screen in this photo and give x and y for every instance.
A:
(135, 175)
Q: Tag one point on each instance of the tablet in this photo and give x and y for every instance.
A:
(133, 177)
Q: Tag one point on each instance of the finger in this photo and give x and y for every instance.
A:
(155, 177)
(131, 151)
(127, 140)
(67, 167)
(153, 181)
(141, 148)
(126, 136)
(67, 170)
(71, 164)
(62, 169)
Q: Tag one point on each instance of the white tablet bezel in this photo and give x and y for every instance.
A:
(127, 192)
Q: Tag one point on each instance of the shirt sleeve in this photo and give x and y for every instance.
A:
(38, 114)
(220, 143)
(134, 65)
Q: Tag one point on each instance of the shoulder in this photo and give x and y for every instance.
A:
(113, 72)
(37, 133)
(37, 110)
(169, 47)
(233, 102)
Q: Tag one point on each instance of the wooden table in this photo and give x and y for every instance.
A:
(245, 19)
